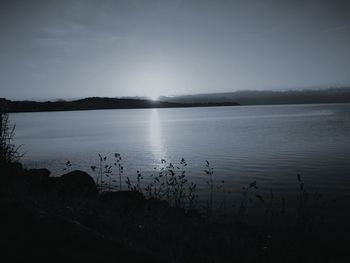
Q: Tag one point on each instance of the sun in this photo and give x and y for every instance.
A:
(152, 80)
(154, 97)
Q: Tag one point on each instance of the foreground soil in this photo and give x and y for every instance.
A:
(67, 218)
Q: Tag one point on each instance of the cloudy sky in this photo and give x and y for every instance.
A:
(78, 48)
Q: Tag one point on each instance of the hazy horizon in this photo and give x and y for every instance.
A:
(162, 97)
(75, 49)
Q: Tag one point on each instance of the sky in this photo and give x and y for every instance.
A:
(81, 48)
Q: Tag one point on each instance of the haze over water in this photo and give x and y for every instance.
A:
(269, 144)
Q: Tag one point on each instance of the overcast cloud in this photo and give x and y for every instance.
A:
(66, 49)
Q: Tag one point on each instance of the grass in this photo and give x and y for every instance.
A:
(170, 183)
(9, 152)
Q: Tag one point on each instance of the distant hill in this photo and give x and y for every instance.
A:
(95, 103)
(333, 95)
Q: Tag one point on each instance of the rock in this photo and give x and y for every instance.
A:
(13, 169)
(123, 201)
(38, 181)
(38, 174)
(11, 176)
(122, 196)
(76, 184)
(16, 165)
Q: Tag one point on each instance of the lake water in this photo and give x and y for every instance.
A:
(267, 144)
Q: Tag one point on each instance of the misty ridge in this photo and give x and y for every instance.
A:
(331, 95)
(268, 97)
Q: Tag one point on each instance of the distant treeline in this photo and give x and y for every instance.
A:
(331, 95)
(96, 103)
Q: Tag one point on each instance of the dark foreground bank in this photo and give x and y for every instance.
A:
(67, 217)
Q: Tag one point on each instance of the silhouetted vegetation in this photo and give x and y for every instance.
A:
(160, 220)
(8, 151)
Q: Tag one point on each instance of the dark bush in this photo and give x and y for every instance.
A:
(8, 151)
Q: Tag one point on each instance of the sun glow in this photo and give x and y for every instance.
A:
(155, 79)
(154, 97)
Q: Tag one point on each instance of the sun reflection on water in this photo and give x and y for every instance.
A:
(155, 136)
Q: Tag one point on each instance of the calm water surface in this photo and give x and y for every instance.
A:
(269, 144)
